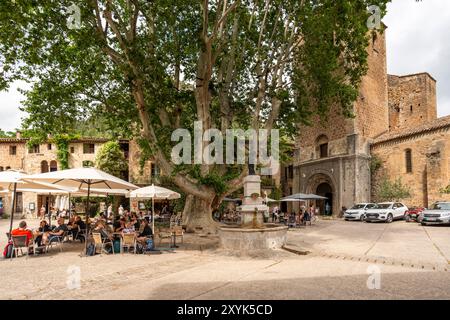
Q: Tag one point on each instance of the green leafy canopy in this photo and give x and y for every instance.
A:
(138, 68)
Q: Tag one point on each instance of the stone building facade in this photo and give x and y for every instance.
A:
(15, 155)
(393, 114)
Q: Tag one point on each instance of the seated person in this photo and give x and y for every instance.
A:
(306, 217)
(23, 231)
(129, 228)
(135, 221)
(56, 233)
(73, 227)
(119, 225)
(43, 228)
(146, 233)
(102, 229)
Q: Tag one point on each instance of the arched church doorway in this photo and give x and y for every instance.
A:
(325, 206)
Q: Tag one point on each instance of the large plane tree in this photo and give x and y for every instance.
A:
(146, 67)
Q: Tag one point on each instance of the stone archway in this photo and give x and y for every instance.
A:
(324, 185)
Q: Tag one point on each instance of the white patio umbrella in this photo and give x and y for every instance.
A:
(83, 178)
(154, 193)
(14, 181)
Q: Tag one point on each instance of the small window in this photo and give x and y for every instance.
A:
(72, 149)
(1, 169)
(8, 168)
(408, 159)
(12, 150)
(49, 146)
(324, 150)
(155, 171)
(411, 108)
(291, 172)
(88, 148)
(34, 149)
(322, 146)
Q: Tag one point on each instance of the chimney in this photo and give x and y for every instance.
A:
(18, 135)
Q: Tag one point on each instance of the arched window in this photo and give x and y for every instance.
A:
(53, 166)
(408, 159)
(44, 166)
(322, 146)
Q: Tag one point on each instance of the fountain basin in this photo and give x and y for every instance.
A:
(269, 237)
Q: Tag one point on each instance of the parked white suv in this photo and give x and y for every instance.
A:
(358, 211)
(386, 211)
(439, 213)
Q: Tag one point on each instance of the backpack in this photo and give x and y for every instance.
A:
(8, 251)
(90, 250)
(116, 246)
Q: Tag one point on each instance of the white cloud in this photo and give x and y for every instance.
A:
(10, 115)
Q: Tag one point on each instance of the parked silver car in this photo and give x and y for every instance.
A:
(439, 213)
(358, 211)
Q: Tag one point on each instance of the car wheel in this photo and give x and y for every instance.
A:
(362, 218)
(423, 224)
(390, 218)
(408, 218)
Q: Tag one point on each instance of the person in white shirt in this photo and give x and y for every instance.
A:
(121, 211)
(109, 212)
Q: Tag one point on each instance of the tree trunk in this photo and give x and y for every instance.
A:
(197, 215)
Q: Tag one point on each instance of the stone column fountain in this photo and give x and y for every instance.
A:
(252, 234)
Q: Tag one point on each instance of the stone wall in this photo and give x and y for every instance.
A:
(430, 165)
(371, 107)
(12, 161)
(412, 100)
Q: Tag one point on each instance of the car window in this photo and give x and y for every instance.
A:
(358, 206)
(399, 205)
(441, 206)
(371, 206)
(383, 206)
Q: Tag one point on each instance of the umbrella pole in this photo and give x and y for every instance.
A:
(153, 215)
(13, 208)
(87, 215)
(70, 211)
(49, 210)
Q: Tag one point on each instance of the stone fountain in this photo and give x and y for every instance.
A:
(253, 234)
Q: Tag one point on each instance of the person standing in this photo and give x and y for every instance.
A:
(121, 211)
(42, 212)
(274, 213)
(109, 212)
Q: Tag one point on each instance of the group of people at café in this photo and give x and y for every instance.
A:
(129, 223)
(43, 235)
(109, 228)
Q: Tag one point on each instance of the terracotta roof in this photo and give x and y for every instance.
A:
(440, 123)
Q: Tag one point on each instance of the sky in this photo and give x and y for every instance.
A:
(418, 40)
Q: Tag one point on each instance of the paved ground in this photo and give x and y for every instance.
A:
(344, 257)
